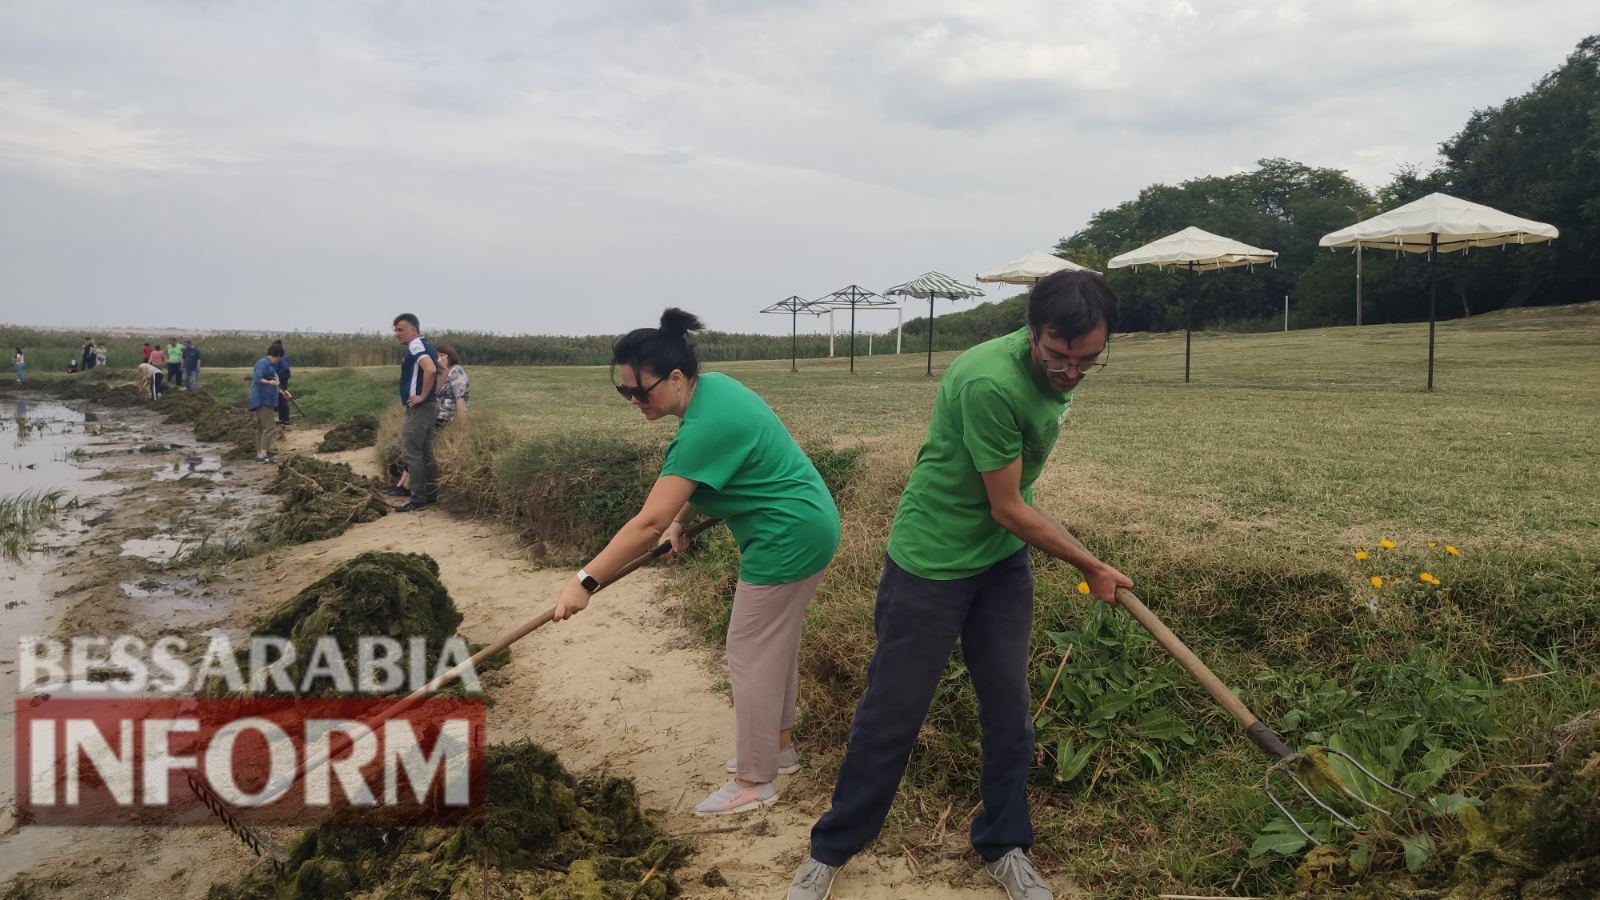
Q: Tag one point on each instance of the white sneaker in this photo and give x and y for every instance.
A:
(788, 762)
(1016, 874)
(814, 881)
(731, 798)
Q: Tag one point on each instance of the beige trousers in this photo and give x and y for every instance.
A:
(763, 667)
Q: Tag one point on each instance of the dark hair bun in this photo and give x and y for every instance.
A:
(675, 323)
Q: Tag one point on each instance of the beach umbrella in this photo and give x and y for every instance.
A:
(1029, 269)
(1439, 223)
(852, 296)
(931, 286)
(794, 306)
(1196, 251)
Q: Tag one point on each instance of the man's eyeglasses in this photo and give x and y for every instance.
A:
(1057, 365)
(641, 394)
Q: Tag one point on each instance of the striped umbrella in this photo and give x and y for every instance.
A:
(930, 286)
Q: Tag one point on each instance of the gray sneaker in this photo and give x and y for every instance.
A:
(814, 881)
(788, 762)
(1016, 874)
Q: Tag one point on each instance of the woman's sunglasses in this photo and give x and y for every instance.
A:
(641, 394)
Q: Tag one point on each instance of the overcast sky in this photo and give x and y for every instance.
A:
(575, 167)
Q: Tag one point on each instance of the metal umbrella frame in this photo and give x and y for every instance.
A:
(931, 286)
(852, 295)
(1195, 250)
(794, 306)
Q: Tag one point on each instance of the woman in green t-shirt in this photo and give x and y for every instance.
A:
(731, 459)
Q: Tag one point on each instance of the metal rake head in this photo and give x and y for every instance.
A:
(1315, 758)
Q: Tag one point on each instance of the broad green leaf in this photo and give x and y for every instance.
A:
(1069, 762)
(1272, 840)
(1159, 725)
(1418, 848)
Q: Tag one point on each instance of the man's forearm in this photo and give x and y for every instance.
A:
(1044, 534)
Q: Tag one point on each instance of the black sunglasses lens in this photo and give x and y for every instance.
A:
(626, 392)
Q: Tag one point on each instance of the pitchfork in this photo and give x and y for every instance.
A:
(1264, 737)
(263, 845)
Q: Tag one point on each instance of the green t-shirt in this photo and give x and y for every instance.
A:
(993, 406)
(174, 354)
(753, 476)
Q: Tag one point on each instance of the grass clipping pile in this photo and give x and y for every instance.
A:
(1530, 841)
(543, 833)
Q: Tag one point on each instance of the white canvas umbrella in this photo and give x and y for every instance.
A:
(1194, 250)
(1031, 268)
(930, 286)
(1439, 223)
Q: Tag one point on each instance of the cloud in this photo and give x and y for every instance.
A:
(549, 167)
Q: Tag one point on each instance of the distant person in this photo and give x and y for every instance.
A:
(265, 392)
(732, 458)
(957, 567)
(72, 367)
(87, 354)
(284, 372)
(99, 355)
(147, 351)
(174, 356)
(22, 366)
(158, 358)
(150, 380)
(452, 396)
(419, 374)
(191, 366)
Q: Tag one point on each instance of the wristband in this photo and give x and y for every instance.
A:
(588, 581)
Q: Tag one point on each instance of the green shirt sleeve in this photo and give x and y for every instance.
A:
(989, 428)
(708, 456)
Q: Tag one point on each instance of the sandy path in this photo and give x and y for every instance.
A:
(623, 687)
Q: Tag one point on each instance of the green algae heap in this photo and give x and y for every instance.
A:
(321, 500)
(360, 430)
(543, 834)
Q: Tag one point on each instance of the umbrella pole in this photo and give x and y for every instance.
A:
(930, 334)
(852, 337)
(1433, 295)
(1188, 321)
(794, 340)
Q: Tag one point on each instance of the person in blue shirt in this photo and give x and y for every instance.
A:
(191, 366)
(264, 396)
(419, 375)
(284, 396)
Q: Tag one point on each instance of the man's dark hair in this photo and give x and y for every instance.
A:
(407, 317)
(275, 349)
(660, 349)
(1072, 304)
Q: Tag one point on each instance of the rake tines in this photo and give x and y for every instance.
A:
(1286, 765)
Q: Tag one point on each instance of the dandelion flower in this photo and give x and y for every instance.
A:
(1425, 578)
(1361, 554)
(1376, 581)
(1451, 550)
(1083, 587)
(1386, 544)
(1432, 544)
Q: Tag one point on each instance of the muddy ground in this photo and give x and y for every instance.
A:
(623, 688)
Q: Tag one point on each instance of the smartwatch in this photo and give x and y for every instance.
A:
(588, 581)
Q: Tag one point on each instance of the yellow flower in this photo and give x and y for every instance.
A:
(1425, 578)
(1376, 581)
(1451, 550)
(1386, 544)
(1432, 544)
(1361, 554)
(1083, 587)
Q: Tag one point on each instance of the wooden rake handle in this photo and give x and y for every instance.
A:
(1264, 737)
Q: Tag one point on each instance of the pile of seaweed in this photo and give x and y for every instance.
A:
(213, 422)
(543, 833)
(360, 430)
(378, 593)
(321, 500)
(1530, 841)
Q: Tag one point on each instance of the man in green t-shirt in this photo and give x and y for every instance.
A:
(958, 567)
